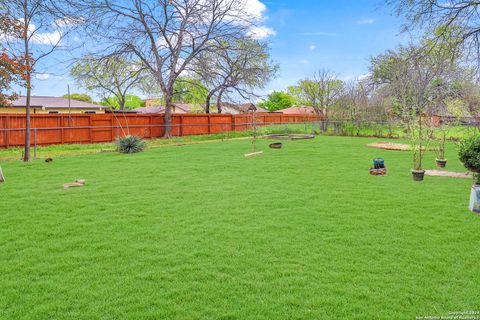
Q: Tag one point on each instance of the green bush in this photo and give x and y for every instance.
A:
(130, 144)
(469, 155)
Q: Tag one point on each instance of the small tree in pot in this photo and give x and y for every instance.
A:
(469, 154)
(455, 109)
(441, 148)
(420, 136)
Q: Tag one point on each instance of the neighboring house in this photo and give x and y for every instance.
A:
(152, 102)
(52, 105)
(176, 108)
(440, 115)
(298, 110)
(232, 108)
(438, 120)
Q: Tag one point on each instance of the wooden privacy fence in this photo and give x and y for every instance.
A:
(96, 128)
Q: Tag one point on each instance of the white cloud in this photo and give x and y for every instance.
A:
(50, 38)
(312, 47)
(255, 8)
(44, 38)
(42, 76)
(366, 21)
(69, 21)
(304, 61)
(261, 32)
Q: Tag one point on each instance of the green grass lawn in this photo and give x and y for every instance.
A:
(200, 232)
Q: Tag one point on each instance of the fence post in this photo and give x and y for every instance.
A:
(150, 129)
(8, 132)
(181, 125)
(62, 139)
(90, 129)
(112, 128)
(34, 143)
(209, 123)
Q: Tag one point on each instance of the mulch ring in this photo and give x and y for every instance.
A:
(390, 146)
(458, 175)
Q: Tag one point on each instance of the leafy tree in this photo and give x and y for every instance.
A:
(10, 72)
(296, 93)
(189, 90)
(11, 69)
(278, 100)
(111, 76)
(320, 91)
(129, 102)
(79, 97)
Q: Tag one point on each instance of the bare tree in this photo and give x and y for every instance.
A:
(109, 76)
(321, 91)
(353, 102)
(45, 23)
(166, 35)
(237, 68)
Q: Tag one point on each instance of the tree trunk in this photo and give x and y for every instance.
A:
(208, 101)
(168, 116)
(26, 154)
(219, 101)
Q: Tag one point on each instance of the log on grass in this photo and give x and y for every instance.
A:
(76, 184)
(2, 177)
(247, 155)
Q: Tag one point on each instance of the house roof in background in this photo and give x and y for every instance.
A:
(244, 107)
(53, 102)
(298, 110)
(161, 109)
(260, 109)
(146, 110)
(184, 106)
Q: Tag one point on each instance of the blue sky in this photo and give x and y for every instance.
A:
(340, 35)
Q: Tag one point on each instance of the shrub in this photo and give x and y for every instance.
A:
(469, 154)
(130, 144)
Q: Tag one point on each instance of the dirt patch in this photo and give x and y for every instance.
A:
(458, 175)
(390, 146)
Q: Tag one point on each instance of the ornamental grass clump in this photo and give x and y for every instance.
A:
(130, 144)
(469, 155)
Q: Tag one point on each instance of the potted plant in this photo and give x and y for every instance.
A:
(469, 154)
(440, 150)
(419, 135)
(418, 173)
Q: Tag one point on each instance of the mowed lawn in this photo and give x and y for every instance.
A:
(200, 232)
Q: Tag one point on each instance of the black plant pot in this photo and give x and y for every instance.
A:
(418, 175)
(277, 145)
(441, 163)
